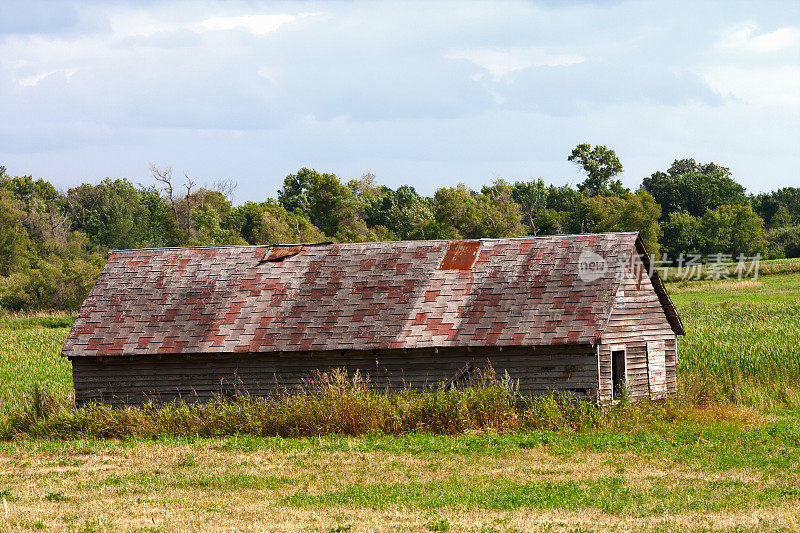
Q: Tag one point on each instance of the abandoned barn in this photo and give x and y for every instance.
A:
(579, 313)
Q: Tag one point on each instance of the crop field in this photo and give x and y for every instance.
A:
(724, 456)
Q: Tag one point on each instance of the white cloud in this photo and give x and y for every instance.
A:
(501, 63)
(743, 38)
(762, 86)
(749, 75)
(140, 23)
(33, 81)
(255, 24)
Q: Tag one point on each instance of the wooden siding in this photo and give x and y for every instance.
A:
(135, 380)
(636, 319)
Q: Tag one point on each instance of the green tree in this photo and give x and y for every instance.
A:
(14, 240)
(211, 228)
(330, 205)
(601, 164)
(280, 226)
(732, 229)
(246, 220)
(681, 234)
(637, 212)
(404, 213)
(531, 197)
(270, 223)
(43, 265)
(693, 187)
(640, 212)
(784, 241)
(29, 191)
(112, 214)
(500, 215)
(778, 208)
(456, 213)
(781, 218)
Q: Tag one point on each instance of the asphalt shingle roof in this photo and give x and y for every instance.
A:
(386, 295)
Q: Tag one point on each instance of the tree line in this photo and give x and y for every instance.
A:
(53, 244)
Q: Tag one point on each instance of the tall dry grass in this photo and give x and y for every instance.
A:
(338, 403)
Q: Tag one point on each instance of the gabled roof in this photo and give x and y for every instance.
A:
(384, 295)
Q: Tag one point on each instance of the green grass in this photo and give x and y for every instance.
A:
(742, 342)
(608, 494)
(726, 471)
(30, 350)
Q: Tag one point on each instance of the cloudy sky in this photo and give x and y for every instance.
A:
(427, 93)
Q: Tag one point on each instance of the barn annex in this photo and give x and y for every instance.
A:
(577, 313)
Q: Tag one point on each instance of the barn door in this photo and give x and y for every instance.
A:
(656, 369)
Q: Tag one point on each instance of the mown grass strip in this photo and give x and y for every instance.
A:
(196, 480)
(608, 494)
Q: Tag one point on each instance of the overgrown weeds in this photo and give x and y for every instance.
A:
(336, 403)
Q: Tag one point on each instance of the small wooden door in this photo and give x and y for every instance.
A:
(619, 373)
(656, 369)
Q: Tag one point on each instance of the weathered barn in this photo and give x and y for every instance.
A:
(577, 313)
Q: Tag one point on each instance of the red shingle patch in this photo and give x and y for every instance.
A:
(430, 296)
(233, 312)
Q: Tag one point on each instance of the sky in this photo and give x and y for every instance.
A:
(428, 94)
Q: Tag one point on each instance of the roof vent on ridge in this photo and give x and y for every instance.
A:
(279, 253)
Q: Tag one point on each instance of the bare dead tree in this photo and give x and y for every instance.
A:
(226, 186)
(164, 175)
(368, 181)
(489, 216)
(189, 184)
(59, 222)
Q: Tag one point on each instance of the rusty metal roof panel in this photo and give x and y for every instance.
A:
(387, 295)
(460, 255)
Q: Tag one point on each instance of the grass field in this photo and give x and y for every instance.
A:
(726, 457)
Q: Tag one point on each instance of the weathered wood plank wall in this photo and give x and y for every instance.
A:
(116, 380)
(636, 319)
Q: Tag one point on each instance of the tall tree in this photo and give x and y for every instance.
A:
(601, 164)
(531, 197)
(500, 215)
(403, 212)
(778, 208)
(636, 212)
(456, 212)
(732, 229)
(681, 234)
(111, 213)
(694, 187)
(330, 205)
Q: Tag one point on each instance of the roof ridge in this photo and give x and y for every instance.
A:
(326, 243)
